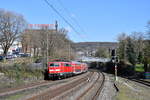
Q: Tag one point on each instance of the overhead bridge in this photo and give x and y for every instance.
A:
(95, 62)
(94, 59)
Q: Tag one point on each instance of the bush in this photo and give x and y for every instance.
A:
(123, 68)
(21, 71)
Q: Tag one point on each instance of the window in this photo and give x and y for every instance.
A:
(54, 65)
(67, 65)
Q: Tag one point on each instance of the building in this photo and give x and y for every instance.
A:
(15, 48)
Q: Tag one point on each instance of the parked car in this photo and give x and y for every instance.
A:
(23, 55)
(14, 56)
(9, 56)
(1, 58)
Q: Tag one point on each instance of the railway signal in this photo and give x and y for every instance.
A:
(115, 61)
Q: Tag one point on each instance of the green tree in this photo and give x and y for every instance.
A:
(138, 38)
(147, 50)
(121, 51)
(130, 53)
(140, 57)
(102, 52)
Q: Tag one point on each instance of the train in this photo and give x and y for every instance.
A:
(64, 69)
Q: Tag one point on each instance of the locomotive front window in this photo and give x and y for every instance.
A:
(54, 65)
(67, 65)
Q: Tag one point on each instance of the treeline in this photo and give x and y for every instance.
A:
(38, 42)
(135, 48)
(47, 42)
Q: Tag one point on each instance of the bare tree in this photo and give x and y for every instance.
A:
(138, 40)
(26, 41)
(57, 42)
(61, 45)
(11, 25)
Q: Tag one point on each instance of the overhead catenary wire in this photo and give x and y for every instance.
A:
(64, 19)
(72, 18)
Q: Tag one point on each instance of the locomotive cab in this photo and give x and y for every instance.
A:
(54, 69)
(59, 69)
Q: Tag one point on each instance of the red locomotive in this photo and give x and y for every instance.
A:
(62, 69)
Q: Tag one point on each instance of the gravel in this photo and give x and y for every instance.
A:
(74, 93)
(108, 92)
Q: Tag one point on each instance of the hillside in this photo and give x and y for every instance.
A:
(89, 48)
(94, 45)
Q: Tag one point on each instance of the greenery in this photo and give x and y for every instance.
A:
(15, 97)
(135, 48)
(122, 46)
(102, 52)
(139, 67)
(126, 93)
(129, 90)
(130, 53)
(21, 73)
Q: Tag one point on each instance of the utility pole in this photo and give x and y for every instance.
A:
(56, 32)
(56, 25)
(69, 51)
(47, 46)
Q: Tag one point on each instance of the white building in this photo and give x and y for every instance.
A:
(16, 46)
(1, 50)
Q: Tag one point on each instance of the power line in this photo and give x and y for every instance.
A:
(57, 12)
(68, 12)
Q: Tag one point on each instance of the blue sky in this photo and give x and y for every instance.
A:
(101, 20)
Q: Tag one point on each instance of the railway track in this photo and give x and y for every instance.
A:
(56, 89)
(12, 91)
(138, 80)
(87, 90)
(147, 83)
(53, 92)
(95, 97)
(93, 92)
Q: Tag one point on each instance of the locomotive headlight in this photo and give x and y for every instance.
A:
(51, 70)
(54, 70)
(57, 70)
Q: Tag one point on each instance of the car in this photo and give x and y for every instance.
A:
(14, 56)
(1, 58)
(24, 55)
(9, 56)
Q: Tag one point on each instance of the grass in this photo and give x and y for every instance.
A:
(15, 97)
(139, 67)
(129, 90)
(124, 93)
(18, 74)
(20, 71)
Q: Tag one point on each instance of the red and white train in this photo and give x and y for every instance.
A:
(62, 69)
